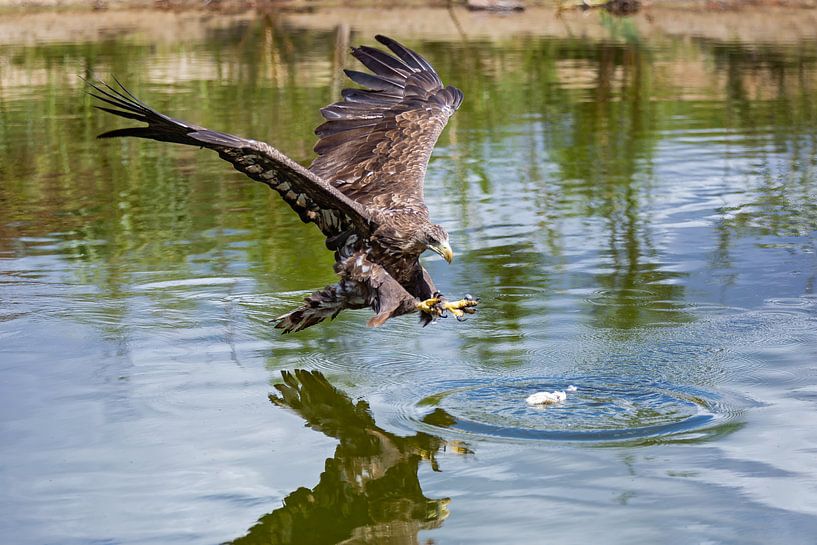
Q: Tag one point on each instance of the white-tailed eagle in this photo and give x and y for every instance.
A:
(364, 191)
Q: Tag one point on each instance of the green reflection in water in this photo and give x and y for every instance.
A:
(369, 491)
(580, 121)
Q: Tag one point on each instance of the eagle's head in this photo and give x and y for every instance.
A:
(436, 240)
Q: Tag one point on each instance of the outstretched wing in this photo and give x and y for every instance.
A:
(314, 199)
(376, 142)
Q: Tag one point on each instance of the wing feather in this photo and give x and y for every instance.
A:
(378, 83)
(411, 58)
(364, 96)
(314, 199)
(376, 142)
(378, 61)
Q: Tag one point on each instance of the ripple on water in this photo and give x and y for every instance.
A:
(186, 283)
(603, 410)
(623, 297)
(520, 292)
(805, 303)
(394, 369)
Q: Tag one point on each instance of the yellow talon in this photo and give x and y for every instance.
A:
(439, 307)
(428, 306)
(462, 307)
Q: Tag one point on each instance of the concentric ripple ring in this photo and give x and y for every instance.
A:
(602, 410)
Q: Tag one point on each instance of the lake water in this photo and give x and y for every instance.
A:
(638, 215)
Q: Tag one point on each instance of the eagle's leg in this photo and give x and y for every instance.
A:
(439, 307)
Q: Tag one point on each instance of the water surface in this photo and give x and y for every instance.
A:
(638, 215)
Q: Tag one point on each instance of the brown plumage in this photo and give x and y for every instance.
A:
(364, 190)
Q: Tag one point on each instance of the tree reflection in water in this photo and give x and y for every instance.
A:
(369, 491)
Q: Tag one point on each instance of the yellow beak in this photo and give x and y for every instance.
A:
(444, 250)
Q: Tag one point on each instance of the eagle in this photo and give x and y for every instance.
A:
(364, 190)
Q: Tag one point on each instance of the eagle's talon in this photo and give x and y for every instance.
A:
(439, 307)
(462, 304)
(429, 306)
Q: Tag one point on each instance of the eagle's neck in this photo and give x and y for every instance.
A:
(397, 246)
(403, 238)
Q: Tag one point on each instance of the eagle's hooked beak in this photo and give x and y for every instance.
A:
(444, 249)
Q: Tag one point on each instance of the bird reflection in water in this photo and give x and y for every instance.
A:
(369, 491)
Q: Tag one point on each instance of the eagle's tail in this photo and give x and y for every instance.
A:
(323, 304)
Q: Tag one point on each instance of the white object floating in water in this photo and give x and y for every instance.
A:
(546, 398)
(571, 389)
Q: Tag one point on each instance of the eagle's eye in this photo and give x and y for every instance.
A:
(438, 242)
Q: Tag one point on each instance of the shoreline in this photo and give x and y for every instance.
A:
(284, 6)
(769, 25)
